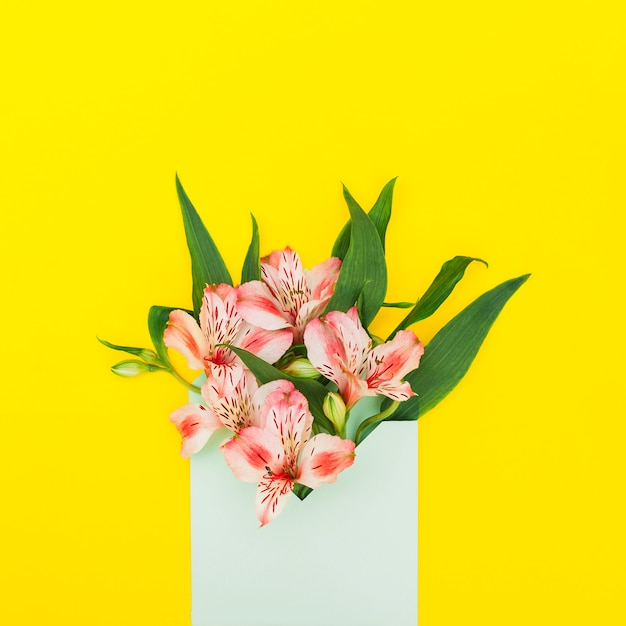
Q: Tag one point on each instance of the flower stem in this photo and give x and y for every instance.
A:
(182, 381)
(341, 431)
(379, 417)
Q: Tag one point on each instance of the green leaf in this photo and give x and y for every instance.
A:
(342, 243)
(143, 353)
(252, 263)
(449, 275)
(315, 392)
(380, 215)
(398, 305)
(158, 317)
(451, 351)
(301, 491)
(363, 271)
(207, 265)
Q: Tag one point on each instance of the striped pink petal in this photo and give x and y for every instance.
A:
(396, 390)
(325, 348)
(289, 418)
(309, 311)
(352, 389)
(271, 497)
(259, 307)
(184, 335)
(234, 409)
(213, 388)
(254, 453)
(323, 458)
(225, 376)
(272, 260)
(196, 424)
(322, 278)
(260, 403)
(389, 362)
(268, 345)
(283, 274)
(354, 338)
(219, 320)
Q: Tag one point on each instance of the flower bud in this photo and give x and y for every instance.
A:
(149, 356)
(300, 367)
(335, 410)
(132, 368)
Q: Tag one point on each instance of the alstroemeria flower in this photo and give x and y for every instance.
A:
(221, 323)
(287, 296)
(278, 453)
(237, 408)
(341, 350)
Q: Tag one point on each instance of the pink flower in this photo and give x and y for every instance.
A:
(341, 350)
(278, 453)
(287, 296)
(221, 323)
(240, 407)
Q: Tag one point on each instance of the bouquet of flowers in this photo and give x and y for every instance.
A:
(287, 354)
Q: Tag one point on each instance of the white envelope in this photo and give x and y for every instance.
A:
(344, 556)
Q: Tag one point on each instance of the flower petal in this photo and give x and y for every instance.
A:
(394, 359)
(257, 306)
(225, 377)
(287, 415)
(352, 389)
(241, 380)
(395, 390)
(253, 454)
(271, 497)
(196, 424)
(184, 335)
(354, 337)
(272, 259)
(268, 345)
(261, 407)
(322, 279)
(324, 348)
(219, 318)
(366, 341)
(286, 281)
(308, 311)
(323, 458)
(234, 409)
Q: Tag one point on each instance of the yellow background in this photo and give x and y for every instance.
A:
(505, 124)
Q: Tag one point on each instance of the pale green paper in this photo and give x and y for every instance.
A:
(345, 556)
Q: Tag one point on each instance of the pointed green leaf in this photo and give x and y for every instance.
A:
(252, 263)
(449, 275)
(301, 491)
(363, 271)
(207, 265)
(147, 355)
(315, 392)
(451, 351)
(380, 215)
(158, 317)
(342, 243)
